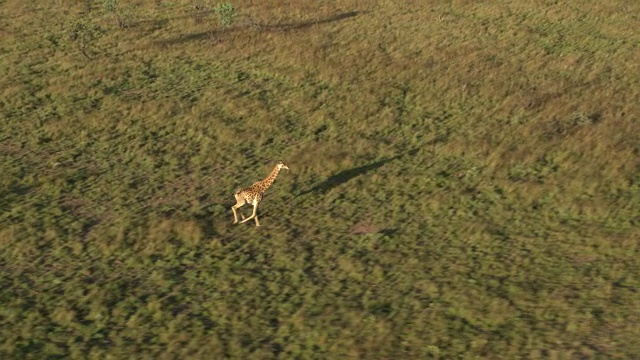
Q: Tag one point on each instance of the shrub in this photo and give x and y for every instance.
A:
(227, 15)
(85, 35)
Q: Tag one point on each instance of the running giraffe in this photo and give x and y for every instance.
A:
(253, 194)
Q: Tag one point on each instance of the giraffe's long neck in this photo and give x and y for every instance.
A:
(268, 181)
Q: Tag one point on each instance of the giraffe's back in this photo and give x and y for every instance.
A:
(250, 194)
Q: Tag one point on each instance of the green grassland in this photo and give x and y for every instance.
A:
(464, 183)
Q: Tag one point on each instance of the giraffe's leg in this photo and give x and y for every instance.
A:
(255, 209)
(239, 203)
(235, 215)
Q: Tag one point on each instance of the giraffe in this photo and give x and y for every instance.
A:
(253, 194)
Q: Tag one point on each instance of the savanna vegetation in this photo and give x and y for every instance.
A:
(464, 183)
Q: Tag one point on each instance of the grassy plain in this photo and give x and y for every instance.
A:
(465, 180)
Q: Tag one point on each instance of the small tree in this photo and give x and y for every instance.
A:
(122, 18)
(85, 34)
(111, 6)
(227, 15)
(201, 8)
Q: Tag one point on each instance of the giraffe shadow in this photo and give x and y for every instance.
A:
(346, 175)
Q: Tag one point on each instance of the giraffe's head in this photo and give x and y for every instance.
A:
(282, 165)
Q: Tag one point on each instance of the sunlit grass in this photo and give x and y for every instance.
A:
(464, 180)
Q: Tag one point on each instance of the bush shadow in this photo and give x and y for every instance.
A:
(250, 23)
(310, 23)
